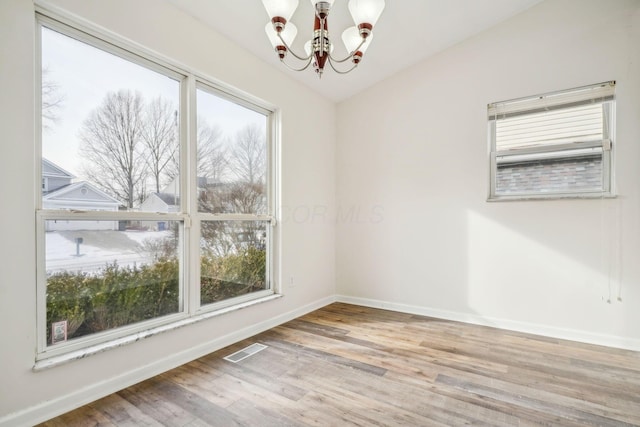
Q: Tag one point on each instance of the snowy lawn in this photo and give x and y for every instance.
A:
(98, 249)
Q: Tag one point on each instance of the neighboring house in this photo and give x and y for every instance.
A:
(59, 192)
(550, 175)
(160, 202)
(54, 177)
(168, 199)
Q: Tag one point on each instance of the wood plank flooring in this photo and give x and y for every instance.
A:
(347, 365)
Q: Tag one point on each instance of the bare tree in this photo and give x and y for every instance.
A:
(52, 100)
(159, 134)
(248, 155)
(246, 198)
(112, 144)
(212, 156)
(243, 191)
(212, 166)
(238, 173)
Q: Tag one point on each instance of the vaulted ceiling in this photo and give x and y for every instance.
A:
(408, 31)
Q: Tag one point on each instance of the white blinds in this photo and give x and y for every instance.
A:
(575, 116)
(577, 124)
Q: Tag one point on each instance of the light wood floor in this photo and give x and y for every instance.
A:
(347, 365)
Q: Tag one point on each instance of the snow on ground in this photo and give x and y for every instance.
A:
(98, 249)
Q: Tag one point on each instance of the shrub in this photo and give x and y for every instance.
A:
(232, 275)
(116, 297)
(122, 295)
(68, 299)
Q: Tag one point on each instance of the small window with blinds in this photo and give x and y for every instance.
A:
(553, 145)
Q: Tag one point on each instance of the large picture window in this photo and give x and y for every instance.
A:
(156, 193)
(553, 145)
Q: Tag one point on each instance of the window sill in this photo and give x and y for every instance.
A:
(53, 361)
(567, 196)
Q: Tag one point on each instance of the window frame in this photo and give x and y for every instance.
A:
(560, 151)
(269, 218)
(189, 218)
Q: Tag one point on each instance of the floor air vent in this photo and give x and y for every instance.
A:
(245, 352)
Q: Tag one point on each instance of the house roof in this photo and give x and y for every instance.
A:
(50, 169)
(550, 175)
(93, 194)
(168, 198)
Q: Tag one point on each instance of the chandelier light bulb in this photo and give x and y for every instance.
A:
(366, 11)
(280, 12)
(365, 14)
(280, 8)
(353, 41)
(288, 34)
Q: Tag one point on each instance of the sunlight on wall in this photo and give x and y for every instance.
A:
(524, 276)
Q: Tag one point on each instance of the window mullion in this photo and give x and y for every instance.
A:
(607, 135)
(41, 278)
(492, 157)
(189, 184)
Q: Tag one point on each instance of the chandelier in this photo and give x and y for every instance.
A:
(319, 49)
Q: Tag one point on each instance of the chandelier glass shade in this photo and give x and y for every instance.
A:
(319, 49)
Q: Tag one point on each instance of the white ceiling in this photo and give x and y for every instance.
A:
(408, 31)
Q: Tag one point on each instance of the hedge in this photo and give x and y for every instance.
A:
(121, 295)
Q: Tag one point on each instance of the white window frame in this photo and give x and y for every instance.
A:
(269, 218)
(190, 310)
(601, 92)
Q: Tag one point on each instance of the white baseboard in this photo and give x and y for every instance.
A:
(52, 408)
(531, 328)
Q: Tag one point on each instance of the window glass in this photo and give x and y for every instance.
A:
(110, 125)
(232, 156)
(233, 259)
(109, 144)
(102, 275)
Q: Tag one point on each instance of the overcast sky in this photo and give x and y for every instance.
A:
(84, 75)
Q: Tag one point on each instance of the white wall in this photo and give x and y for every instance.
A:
(412, 155)
(414, 230)
(307, 179)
